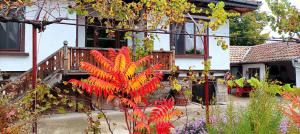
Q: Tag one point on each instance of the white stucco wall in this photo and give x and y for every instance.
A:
(262, 70)
(219, 57)
(48, 42)
(163, 42)
(297, 71)
(298, 77)
(81, 32)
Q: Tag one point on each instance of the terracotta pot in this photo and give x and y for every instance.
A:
(180, 99)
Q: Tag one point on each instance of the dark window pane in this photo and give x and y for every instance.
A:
(253, 72)
(189, 39)
(178, 39)
(104, 39)
(9, 36)
(187, 44)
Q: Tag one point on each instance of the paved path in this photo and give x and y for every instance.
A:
(76, 123)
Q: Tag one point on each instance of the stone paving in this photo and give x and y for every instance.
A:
(76, 123)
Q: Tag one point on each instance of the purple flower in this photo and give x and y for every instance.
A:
(284, 126)
(224, 119)
(194, 127)
(213, 119)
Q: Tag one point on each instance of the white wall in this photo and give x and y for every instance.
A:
(48, 42)
(297, 71)
(219, 57)
(262, 70)
(81, 32)
(163, 42)
(298, 77)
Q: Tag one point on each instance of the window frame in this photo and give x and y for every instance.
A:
(194, 55)
(253, 69)
(21, 49)
(96, 35)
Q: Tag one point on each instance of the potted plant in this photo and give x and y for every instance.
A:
(242, 86)
(5, 75)
(177, 91)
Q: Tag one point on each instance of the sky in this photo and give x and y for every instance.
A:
(265, 8)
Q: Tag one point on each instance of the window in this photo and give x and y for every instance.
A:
(237, 71)
(253, 72)
(187, 44)
(100, 38)
(12, 37)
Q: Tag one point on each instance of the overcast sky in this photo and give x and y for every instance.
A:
(265, 8)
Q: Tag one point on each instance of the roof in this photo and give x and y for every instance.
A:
(237, 53)
(270, 52)
(236, 5)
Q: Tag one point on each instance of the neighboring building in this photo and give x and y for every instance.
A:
(280, 59)
(16, 51)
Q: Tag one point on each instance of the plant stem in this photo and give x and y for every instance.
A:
(126, 120)
(187, 117)
(107, 122)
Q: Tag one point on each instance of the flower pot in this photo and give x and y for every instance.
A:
(180, 99)
(5, 76)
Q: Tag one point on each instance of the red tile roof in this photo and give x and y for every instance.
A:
(279, 51)
(237, 53)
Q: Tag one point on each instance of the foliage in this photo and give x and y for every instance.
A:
(148, 16)
(248, 25)
(240, 82)
(222, 43)
(263, 111)
(20, 114)
(117, 79)
(237, 82)
(274, 87)
(292, 110)
(262, 114)
(285, 17)
(218, 14)
(123, 15)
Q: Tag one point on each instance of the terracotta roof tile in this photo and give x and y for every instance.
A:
(237, 53)
(280, 51)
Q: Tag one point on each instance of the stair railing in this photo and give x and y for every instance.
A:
(22, 84)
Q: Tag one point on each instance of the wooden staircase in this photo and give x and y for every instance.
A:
(65, 62)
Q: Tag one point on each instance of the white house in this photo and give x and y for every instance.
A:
(16, 42)
(281, 60)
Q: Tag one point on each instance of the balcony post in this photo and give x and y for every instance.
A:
(65, 57)
(172, 56)
(206, 90)
(34, 74)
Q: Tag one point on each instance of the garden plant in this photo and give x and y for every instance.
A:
(117, 79)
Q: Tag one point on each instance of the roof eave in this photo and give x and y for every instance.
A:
(236, 5)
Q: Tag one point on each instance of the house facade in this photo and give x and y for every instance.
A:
(16, 59)
(279, 59)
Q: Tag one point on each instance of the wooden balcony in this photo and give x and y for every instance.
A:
(76, 55)
(66, 61)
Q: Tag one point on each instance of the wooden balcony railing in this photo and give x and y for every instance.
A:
(46, 67)
(67, 59)
(83, 54)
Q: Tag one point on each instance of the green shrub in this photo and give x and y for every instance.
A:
(261, 116)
